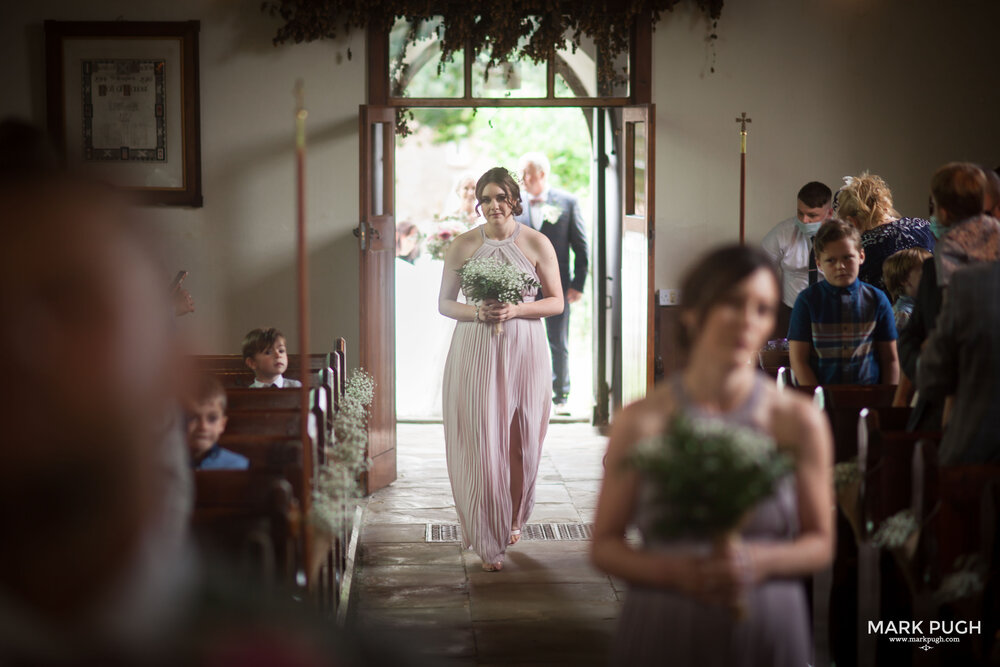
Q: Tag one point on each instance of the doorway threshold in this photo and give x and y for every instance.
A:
(561, 419)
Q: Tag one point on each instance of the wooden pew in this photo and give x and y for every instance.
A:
(771, 361)
(961, 518)
(250, 516)
(265, 425)
(235, 362)
(831, 591)
(891, 464)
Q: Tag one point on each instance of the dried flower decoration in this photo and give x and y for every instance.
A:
(519, 29)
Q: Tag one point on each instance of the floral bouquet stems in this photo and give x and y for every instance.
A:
(488, 278)
(706, 476)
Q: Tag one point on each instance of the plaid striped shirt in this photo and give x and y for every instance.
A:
(843, 324)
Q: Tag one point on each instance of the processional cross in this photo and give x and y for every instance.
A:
(743, 120)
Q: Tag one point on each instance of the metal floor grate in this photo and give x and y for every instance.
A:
(450, 532)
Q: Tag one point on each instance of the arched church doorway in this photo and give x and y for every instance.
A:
(466, 118)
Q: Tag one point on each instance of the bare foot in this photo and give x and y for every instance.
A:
(493, 567)
(515, 536)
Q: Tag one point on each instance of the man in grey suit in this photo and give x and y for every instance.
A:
(557, 215)
(962, 359)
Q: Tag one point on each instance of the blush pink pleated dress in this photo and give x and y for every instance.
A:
(495, 384)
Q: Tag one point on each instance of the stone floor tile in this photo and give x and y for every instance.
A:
(393, 532)
(450, 595)
(411, 554)
(551, 643)
(409, 575)
(549, 606)
(543, 602)
(406, 617)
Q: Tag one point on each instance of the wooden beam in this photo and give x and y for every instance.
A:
(641, 62)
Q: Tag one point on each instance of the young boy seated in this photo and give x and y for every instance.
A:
(206, 420)
(842, 330)
(901, 274)
(264, 353)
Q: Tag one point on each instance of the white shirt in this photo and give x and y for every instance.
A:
(535, 210)
(789, 248)
(280, 382)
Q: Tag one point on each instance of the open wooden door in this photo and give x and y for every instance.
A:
(377, 243)
(637, 252)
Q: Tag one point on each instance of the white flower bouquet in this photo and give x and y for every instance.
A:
(488, 278)
(706, 476)
(444, 233)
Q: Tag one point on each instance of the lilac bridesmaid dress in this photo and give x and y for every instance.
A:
(660, 626)
(495, 384)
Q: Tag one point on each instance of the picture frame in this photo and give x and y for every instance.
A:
(124, 105)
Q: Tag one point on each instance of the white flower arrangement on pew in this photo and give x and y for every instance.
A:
(896, 531)
(965, 580)
(338, 485)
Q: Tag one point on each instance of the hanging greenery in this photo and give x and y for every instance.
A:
(506, 32)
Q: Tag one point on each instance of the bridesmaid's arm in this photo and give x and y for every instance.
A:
(448, 305)
(797, 421)
(616, 508)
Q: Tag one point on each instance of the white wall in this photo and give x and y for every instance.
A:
(834, 87)
(239, 247)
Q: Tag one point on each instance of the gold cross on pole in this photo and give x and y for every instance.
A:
(743, 120)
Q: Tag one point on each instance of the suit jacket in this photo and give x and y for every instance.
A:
(925, 312)
(565, 233)
(962, 357)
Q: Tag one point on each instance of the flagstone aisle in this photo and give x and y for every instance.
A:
(548, 606)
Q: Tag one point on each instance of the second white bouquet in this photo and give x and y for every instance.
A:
(488, 278)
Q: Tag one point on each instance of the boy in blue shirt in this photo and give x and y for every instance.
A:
(206, 421)
(842, 330)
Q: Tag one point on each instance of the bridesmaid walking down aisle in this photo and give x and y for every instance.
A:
(497, 386)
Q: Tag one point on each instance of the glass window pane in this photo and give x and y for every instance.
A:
(576, 72)
(413, 67)
(639, 166)
(518, 79)
(378, 168)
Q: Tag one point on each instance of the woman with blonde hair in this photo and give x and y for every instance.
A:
(866, 202)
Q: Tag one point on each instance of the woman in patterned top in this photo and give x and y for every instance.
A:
(866, 202)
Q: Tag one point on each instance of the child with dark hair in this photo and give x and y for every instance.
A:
(206, 421)
(901, 274)
(842, 330)
(265, 354)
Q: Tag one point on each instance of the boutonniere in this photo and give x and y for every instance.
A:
(551, 213)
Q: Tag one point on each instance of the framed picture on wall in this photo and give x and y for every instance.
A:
(123, 104)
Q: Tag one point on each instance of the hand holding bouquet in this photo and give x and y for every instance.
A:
(487, 278)
(706, 476)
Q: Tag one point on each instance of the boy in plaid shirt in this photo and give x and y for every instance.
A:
(842, 330)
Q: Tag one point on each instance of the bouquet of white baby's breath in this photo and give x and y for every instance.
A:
(706, 476)
(488, 278)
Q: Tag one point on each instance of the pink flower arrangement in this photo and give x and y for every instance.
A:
(444, 233)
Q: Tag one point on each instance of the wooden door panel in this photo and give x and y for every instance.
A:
(637, 253)
(377, 245)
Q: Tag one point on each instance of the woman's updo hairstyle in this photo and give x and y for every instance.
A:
(713, 278)
(503, 178)
(867, 199)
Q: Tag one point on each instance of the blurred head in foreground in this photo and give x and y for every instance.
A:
(86, 353)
